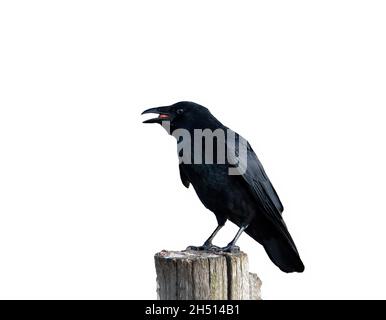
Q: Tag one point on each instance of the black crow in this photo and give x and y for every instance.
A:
(244, 196)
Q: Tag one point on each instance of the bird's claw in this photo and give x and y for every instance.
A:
(216, 249)
(230, 249)
(205, 247)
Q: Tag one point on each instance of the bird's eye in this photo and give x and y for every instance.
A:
(180, 111)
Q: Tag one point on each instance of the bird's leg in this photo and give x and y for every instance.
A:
(231, 246)
(208, 243)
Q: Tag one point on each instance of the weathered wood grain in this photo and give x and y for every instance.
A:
(200, 275)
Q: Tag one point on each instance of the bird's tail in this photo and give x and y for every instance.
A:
(280, 248)
(284, 256)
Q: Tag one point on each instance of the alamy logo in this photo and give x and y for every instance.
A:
(208, 146)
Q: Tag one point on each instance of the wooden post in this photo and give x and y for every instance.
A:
(200, 275)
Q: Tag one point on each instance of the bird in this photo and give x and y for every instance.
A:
(246, 197)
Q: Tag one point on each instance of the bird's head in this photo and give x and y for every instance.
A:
(182, 114)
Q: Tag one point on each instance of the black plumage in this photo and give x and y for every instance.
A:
(248, 199)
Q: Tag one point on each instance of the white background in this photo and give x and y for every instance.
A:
(88, 193)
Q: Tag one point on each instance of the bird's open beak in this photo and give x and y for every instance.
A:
(163, 114)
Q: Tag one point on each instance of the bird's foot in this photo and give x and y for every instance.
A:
(230, 248)
(204, 247)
